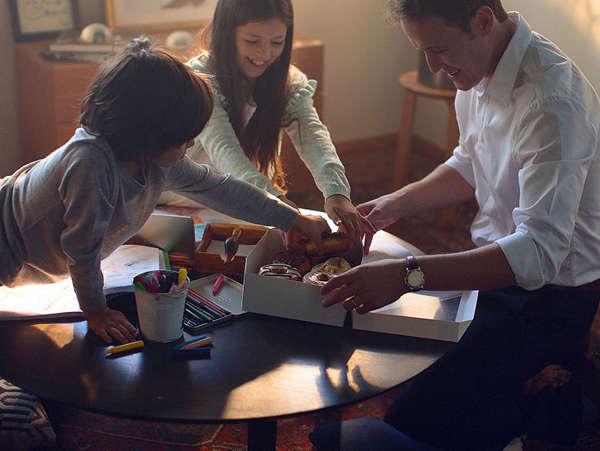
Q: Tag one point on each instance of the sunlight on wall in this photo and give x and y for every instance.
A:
(587, 15)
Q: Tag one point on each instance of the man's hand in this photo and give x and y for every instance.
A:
(349, 220)
(367, 286)
(107, 322)
(381, 212)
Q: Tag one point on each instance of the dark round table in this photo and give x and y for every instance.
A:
(261, 369)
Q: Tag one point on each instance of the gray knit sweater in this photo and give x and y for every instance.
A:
(62, 215)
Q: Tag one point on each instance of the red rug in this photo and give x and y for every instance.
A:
(80, 430)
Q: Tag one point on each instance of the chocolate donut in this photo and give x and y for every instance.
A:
(280, 270)
(297, 260)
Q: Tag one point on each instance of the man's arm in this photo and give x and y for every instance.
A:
(379, 283)
(443, 187)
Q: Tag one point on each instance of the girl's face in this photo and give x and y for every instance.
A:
(172, 155)
(258, 45)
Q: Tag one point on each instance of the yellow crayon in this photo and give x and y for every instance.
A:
(182, 275)
(125, 347)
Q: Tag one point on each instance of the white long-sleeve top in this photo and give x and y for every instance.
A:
(306, 131)
(529, 145)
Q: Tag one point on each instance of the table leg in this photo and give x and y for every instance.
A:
(262, 435)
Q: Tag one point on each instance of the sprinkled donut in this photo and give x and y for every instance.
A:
(318, 278)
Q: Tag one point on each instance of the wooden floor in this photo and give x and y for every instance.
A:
(370, 176)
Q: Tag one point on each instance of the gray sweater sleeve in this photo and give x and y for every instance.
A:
(86, 191)
(228, 195)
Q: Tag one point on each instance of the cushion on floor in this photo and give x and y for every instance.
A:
(23, 420)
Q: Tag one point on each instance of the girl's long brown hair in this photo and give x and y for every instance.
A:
(260, 138)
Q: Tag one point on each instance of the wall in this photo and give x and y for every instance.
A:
(9, 138)
(363, 57)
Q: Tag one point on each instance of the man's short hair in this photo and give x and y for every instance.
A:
(456, 12)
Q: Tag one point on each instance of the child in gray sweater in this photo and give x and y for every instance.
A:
(60, 216)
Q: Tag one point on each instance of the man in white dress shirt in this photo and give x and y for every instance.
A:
(529, 155)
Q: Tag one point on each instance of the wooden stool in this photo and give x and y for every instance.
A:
(412, 89)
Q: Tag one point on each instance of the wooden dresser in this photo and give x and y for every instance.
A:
(50, 94)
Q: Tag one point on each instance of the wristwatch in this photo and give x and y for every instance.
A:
(415, 277)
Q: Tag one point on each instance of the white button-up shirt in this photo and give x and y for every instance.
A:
(529, 145)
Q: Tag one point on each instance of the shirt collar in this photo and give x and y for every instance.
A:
(502, 82)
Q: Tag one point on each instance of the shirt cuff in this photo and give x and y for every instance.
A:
(522, 256)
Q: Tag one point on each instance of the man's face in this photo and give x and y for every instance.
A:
(462, 56)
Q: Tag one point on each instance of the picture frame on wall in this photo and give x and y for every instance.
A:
(42, 19)
(152, 15)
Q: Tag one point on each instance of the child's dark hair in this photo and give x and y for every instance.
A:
(260, 137)
(144, 102)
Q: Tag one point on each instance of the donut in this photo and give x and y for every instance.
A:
(317, 278)
(297, 260)
(280, 270)
(334, 243)
(334, 265)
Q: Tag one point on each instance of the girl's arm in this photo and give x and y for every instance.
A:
(312, 139)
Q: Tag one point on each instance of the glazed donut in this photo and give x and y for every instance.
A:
(333, 265)
(332, 244)
(297, 260)
(317, 278)
(280, 270)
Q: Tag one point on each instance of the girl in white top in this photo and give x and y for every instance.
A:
(257, 93)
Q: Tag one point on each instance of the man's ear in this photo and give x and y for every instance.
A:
(482, 22)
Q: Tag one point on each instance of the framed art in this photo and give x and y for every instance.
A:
(151, 15)
(42, 19)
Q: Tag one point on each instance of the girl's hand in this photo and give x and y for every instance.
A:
(349, 220)
(311, 227)
(109, 323)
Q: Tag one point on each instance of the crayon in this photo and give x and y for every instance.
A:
(125, 347)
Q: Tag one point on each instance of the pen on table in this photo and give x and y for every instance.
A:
(196, 305)
(218, 284)
(125, 347)
(203, 299)
(203, 305)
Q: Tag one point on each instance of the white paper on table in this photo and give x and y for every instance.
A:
(58, 299)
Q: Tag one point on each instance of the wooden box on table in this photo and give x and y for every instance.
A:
(209, 253)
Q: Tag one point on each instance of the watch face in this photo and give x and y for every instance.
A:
(415, 279)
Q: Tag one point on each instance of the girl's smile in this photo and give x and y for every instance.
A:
(258, 45)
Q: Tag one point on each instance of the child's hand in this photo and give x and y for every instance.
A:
(311, 227)
(109, 323)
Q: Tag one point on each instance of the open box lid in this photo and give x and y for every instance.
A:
(229, 297)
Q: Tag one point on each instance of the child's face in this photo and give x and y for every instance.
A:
(172, 155)
(258, 44)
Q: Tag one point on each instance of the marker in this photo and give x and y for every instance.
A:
(218, 284)
(125, 347)
(200, 352)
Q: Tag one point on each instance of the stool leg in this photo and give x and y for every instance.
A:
(404, 139)
(449, 218)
